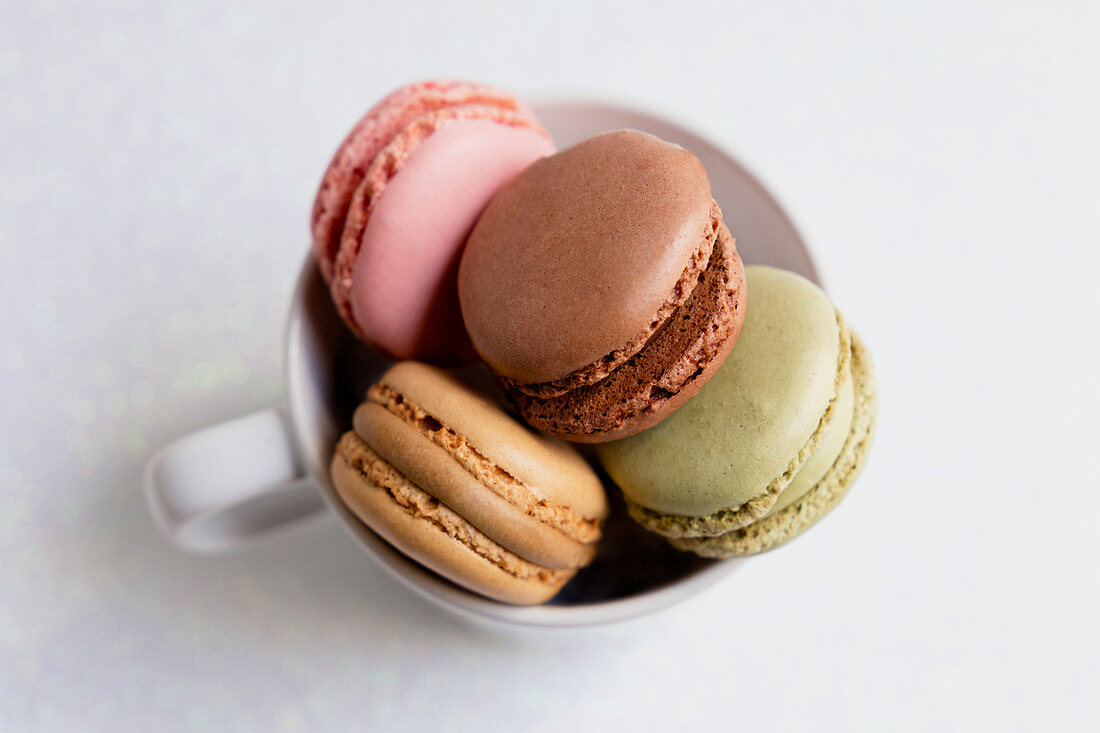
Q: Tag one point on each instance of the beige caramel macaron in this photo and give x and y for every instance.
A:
(442, 473)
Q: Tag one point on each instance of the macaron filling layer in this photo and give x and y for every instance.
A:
(401, 285)
(695, 336)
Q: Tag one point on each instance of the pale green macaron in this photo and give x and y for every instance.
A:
(771, 443)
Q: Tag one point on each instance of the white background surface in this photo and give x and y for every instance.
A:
(157, 165)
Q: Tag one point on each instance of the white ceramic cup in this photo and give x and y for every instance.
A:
(221, 487)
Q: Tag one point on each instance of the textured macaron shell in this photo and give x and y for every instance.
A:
(742, 429)
(403, 283)
(432, 469)
(548, 467)
(373, 132)
(623, 214)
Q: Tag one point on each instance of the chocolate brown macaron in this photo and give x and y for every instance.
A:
(602, 287)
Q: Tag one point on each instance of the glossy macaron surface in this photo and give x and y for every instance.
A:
(402, 287)
(577, 255)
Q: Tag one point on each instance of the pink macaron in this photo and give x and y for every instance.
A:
(398, 200)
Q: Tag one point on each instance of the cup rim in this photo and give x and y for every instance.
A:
(433, 587)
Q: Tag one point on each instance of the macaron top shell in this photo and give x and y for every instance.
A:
(578, 254)
(741, 431)
(410, 235)
(548, 467)
(372, 133)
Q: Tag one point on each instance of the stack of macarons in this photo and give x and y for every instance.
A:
(604, 292)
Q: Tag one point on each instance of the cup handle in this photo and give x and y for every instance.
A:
(223, 486)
